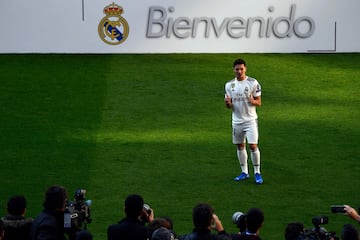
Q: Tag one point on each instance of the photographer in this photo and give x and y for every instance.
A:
(254, 222)
(77, 215)
(204, 219)
(294, 230)
(49, 224)
(160, 222)
(349, 232)
(133, 225)
(15, 224)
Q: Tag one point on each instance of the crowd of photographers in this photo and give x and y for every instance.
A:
(61, 219)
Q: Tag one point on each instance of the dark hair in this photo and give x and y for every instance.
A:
(202, 215)
(239, 61)
(170, 221)
(162, 233)
(349, 232)
(158, 223)
(55, 198)
(83, 235)
(293, 231)
(134, 206)
(254, 219)
(16, 205)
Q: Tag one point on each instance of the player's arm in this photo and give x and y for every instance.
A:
(255, 100)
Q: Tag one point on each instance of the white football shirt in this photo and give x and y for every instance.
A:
(239, 91)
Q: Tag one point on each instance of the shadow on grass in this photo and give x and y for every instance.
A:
(44, 97)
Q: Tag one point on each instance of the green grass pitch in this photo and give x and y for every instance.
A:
(156, 125)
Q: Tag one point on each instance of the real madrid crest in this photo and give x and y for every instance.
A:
(113, 28)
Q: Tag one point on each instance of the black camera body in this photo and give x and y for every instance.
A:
(340, 209)
(318, 232)
(77, 213)
(317, 221)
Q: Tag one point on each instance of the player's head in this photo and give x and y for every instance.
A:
(239, 68)
(16, 205)
(239, 61)
(202, 216)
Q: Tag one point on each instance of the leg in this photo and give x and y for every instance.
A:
(242, 157)
(239, 141)
(252, 137)
(255, 157)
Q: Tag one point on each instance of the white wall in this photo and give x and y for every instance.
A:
(71, 26)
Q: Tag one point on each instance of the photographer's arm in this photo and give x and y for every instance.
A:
(217, 225)
(351, 212)
(151, 216)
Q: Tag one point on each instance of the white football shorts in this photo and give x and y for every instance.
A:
(247, 131)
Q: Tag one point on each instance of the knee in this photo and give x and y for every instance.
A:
(241, 146)
(253, 147)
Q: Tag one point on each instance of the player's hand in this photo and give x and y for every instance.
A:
(254, 101)
(251, 99)
(228, 101)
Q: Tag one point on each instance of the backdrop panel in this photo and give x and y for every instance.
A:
(179, 26)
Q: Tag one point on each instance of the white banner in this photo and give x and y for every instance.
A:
(179, 26)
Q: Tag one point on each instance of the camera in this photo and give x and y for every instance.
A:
(338, 209)
(77, 213)
(239, 218)
(147, 208)
(318, 232)
(317, 221)
(146, 213)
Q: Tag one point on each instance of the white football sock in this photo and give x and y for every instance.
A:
(255, 158)
(242, 157)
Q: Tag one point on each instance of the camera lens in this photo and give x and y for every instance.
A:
(147, 208)
(236, 217)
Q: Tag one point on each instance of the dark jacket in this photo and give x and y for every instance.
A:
(203, 234)
(127, 229)
(48, 225)
(16, 227)
(245, 236)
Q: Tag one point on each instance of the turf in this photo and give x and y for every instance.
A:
(156, 125)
